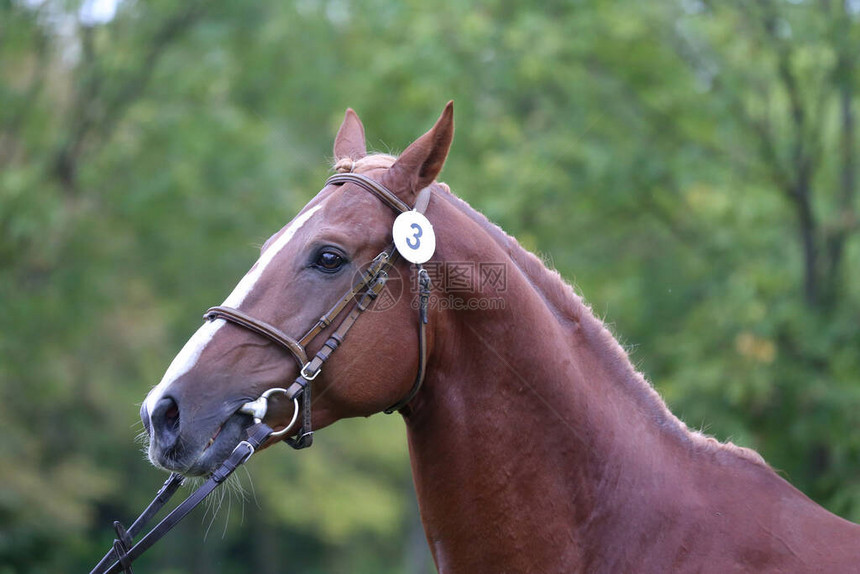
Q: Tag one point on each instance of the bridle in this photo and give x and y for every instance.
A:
(363, 293)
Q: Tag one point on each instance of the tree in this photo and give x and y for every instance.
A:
(688, 164)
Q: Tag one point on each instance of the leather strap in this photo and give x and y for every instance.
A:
(260, 327)
(167, 490)
(424, 297)
(372, 186)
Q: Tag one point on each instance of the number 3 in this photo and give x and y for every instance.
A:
(418, 233)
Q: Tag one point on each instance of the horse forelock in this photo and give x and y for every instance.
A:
(365, 164)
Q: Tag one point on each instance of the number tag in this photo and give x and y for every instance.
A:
(414, 237)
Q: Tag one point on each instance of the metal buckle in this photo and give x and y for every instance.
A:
(378, 263)
(251, 451)
(306, 376)
(259, 407)
(374, 288)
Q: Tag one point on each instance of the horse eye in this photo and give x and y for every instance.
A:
(329, 261)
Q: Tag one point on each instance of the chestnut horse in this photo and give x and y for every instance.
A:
(535, 445)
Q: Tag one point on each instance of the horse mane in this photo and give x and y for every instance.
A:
(561, 297)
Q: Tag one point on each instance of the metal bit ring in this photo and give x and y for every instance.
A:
(258, 409)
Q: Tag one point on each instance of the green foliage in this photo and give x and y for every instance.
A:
(689, 164)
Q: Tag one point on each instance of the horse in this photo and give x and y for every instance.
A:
(535, 445)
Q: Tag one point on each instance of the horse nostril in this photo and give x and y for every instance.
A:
(165, 423)
(171, 416)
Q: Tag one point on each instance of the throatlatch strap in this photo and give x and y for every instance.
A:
(424, 287)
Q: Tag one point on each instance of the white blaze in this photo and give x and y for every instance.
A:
(190, 353)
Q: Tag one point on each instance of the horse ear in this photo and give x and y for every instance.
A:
(349, 142)
(418, 166)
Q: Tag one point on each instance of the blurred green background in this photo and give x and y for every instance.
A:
(690, 166)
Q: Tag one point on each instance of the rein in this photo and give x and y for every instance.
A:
(124, 551)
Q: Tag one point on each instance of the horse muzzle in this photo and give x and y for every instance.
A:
(178, 443)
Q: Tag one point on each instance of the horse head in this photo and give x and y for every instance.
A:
(194, 417)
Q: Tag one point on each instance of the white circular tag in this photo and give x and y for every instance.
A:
(414, 237)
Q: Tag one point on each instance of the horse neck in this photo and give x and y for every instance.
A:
(532, 412)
